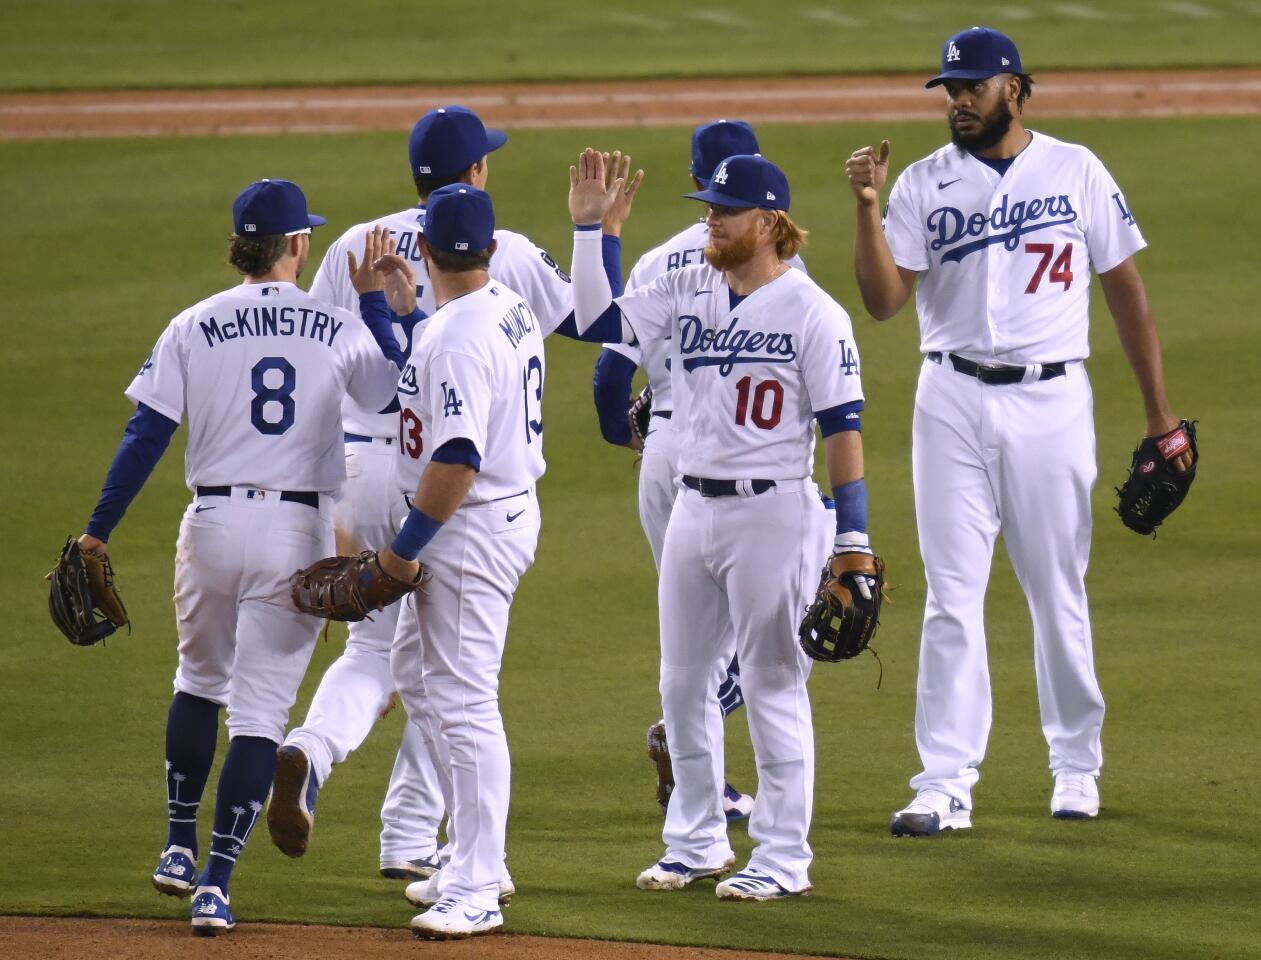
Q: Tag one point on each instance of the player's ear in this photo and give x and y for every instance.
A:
(424, 247)
(494, 245)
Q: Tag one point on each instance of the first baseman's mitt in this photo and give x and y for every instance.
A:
(640, 413)
(1155, 487)
(842, 621)
(83, 581)
(347, 588)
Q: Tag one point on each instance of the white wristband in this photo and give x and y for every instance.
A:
(852, 542)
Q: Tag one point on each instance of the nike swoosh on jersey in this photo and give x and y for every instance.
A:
(699, 292)
(942, 184)
(513, 516)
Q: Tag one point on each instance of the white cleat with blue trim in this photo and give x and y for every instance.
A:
(450, 919)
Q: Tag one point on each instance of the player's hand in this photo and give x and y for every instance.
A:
(89, 542)
(400, 283)
(362, 277)
(617, 167)
(590, 196)
(868, 169)
(1161, 425)
(396, 566)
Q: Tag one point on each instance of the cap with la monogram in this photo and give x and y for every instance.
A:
(746, 180)
(271, 207)
(459, 219)
(976, 54)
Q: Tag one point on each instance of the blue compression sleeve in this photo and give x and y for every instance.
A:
(459, 450)
(841, 417)
(606, 329)
(379, 319)
(851, 506)
(612, 386)
(417, 530)
(144, 441)
(611, 254)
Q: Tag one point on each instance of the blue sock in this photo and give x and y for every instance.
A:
(192, 727)
(730, 696)
(244, 783)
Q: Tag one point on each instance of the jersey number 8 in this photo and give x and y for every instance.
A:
(263, 395)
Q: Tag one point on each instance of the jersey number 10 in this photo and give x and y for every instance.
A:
(767, 406)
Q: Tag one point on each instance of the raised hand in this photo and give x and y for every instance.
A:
(400, 283)
(868, 170)
(617, 167)
(362, 277)
(590, 197)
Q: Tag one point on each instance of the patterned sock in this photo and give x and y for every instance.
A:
(244, 783)
(730, 696)
(192, 727)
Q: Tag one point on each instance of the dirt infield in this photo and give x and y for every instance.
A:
(47, 938)
(649, 103)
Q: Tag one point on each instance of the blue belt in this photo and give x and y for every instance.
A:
(360, 438)
(305, 497)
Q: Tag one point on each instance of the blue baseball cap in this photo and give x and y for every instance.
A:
(459, 219)
(449, 139)
(714, 142)
(270, 207)
(976, 54)
(746, 180)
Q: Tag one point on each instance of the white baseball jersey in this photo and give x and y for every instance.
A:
(516, 261)
(686, 248)
(477, 374)
(1010, 255)
(260, 371)
(754, 373)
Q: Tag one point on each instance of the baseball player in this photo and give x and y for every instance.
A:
(760, 352)
(659, 477)
(447, 145)
(473, 388)
(258, 370)
(997, 233)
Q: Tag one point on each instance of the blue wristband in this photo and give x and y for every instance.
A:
(851, 506)
(418, 529)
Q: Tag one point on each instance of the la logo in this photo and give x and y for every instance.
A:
(953, 55)
(720, 175)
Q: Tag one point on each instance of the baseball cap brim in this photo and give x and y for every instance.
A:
(718, 199)
(316, 219)
(494, 139)
(962, 75)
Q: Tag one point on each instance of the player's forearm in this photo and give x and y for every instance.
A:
(883, 290)
(442, 488)
(592, 292)
(1136, 328)
(145, 440)
(844, 455)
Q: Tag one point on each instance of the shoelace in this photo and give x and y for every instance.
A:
(445, 905)
(1076, 782)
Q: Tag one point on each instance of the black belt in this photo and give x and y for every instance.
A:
(724, 488)
(997, 374)
(305, 497)
(360, 438)
(663, 414)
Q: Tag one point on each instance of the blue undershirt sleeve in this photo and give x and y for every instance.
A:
(611, 254)
(379, 319)
(606, 329)
(612, 387)
(144, 441)
(459, 450)
(844, 416)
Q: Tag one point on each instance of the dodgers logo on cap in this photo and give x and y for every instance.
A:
(459, 219)
(450, 139)
(977, 54)
(272, 207)
(746, 180)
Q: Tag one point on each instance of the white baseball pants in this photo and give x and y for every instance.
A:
(1020, 459)
(451, 679)
(357, 686)
(241, 640)
(754, 561)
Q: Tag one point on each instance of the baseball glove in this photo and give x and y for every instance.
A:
(842, 620)
(347, 588)
(83, 581)
(1155, 487)
(640, 413)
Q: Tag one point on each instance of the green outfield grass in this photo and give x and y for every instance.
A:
(105, 240)
(68, 44)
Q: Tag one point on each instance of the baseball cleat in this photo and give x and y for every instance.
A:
(1076, 796)
(176, 875)
(736, 805)
(291, 812)
(450, 919)
(753, 884)
(422, 868)
(425, 893)
(211, 914)
(669, 875)
(659, 754)
(929, 814)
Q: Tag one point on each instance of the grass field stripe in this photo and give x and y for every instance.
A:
(640, 20)
(829, 16)
(719, 18)
(1083, 11)
(1196, 11)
